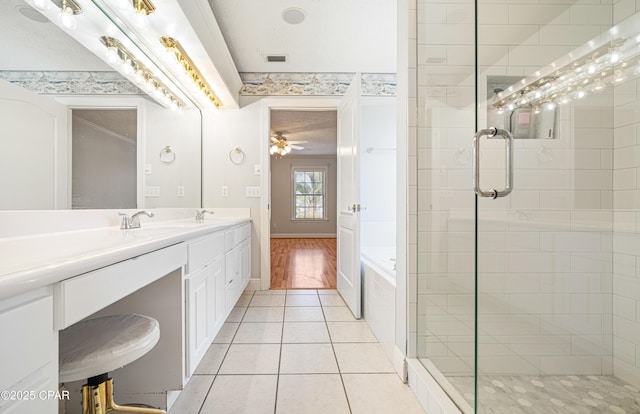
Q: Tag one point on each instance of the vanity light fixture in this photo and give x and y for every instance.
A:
(142, 9)
(121, 58)
(595, 71)
(68, 11)
(190, 69)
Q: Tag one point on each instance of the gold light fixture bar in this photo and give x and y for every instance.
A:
(173, 46)
(68, 4)
(144, 76)
(145, 7)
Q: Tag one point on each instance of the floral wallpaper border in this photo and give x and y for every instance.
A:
(321, 84)
(72, 83)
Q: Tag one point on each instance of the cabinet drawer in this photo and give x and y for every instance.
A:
(244, 232)
(231, 239)
(202, 251)
(29, 340)
(83, 295)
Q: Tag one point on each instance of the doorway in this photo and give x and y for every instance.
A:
(303, 181)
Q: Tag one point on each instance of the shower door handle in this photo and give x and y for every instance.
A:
(493, 133)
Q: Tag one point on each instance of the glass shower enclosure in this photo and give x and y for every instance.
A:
(528, 289)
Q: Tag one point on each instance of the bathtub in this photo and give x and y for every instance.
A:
(378, 273)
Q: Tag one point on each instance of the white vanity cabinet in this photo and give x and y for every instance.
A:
(29, 360)
(238, 263)
(204, 289)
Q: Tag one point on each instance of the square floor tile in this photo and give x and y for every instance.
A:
(251, 359)
(267, 300)
(244, 300)
(362, 358)
(191, 398)
(303, 300)
(259, 333)
(242, 394)
(311, 394)
(308, 359)
(328, 292)
(236, 314)
(338, 313)
(305, 332)
(350, 332)
(212, 359)
(264, 314)
(303, 314)
(331, 300)
(380, 393)
(226, 333)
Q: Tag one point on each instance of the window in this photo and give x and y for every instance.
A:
(309, 186)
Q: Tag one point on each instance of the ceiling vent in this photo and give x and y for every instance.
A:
(277, 58)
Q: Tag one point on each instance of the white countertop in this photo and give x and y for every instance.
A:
(33, 261)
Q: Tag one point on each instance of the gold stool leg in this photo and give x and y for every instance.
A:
(112, 406)
(94, 399)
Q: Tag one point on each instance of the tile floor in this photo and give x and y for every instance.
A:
(296, 351)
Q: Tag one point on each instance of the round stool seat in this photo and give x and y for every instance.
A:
(97, 346)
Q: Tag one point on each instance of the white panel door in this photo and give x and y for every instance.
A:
(348, 239)
(34, 172)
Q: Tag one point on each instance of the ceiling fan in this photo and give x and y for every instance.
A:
(282, 146)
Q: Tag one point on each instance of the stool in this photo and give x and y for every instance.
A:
(91, 348)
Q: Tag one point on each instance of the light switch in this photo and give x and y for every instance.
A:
(180, 192)
(257, 169)
(225, 191)
(147, 169)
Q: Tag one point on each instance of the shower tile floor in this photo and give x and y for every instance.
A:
(298, 352)
(579, 394)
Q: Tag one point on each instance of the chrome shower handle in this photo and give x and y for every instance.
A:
(491, 133)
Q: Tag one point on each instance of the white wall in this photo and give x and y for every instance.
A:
(378, 172)
(282, 224)
(223, 131)
(626, 222)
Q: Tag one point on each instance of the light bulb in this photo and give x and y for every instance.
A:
(113, 57)
(549, 106)
(500, 111)
(537, 95)
(564, 99)
(67, 19)
(511, 107)
(614, 57)
(140, 20)
(42, 4)
(536, 110)
(139, 77)
(619, 76)
(598, 85)
(127, 67)
(579, 94)
(174, 106)
(592, 68)
(273, 149)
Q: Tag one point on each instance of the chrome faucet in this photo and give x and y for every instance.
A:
(200, 215)
(133, 222)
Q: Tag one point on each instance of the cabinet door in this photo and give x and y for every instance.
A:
(233, 279)
(245, 261)
(199, 323)
(217, 305)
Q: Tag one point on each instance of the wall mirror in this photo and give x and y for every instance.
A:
(46, 75)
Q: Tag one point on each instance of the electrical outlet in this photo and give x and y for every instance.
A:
(252, 192)
(180, 192)
(225, 191)
(152, 191)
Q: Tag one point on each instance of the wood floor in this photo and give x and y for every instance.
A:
(303, 263)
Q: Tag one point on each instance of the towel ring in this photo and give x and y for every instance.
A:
(236, 155)
(167, 155)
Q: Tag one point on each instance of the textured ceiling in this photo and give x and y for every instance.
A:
(336, 35)
(319, 128)
(122, 122)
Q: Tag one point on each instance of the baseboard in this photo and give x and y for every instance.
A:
(254, 284)
(400, 364)
(429, 393)
(303, 235)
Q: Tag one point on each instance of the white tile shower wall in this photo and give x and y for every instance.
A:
(626, 219)
(545, 251)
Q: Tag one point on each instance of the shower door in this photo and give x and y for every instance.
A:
(550, 81)
(527, 288)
